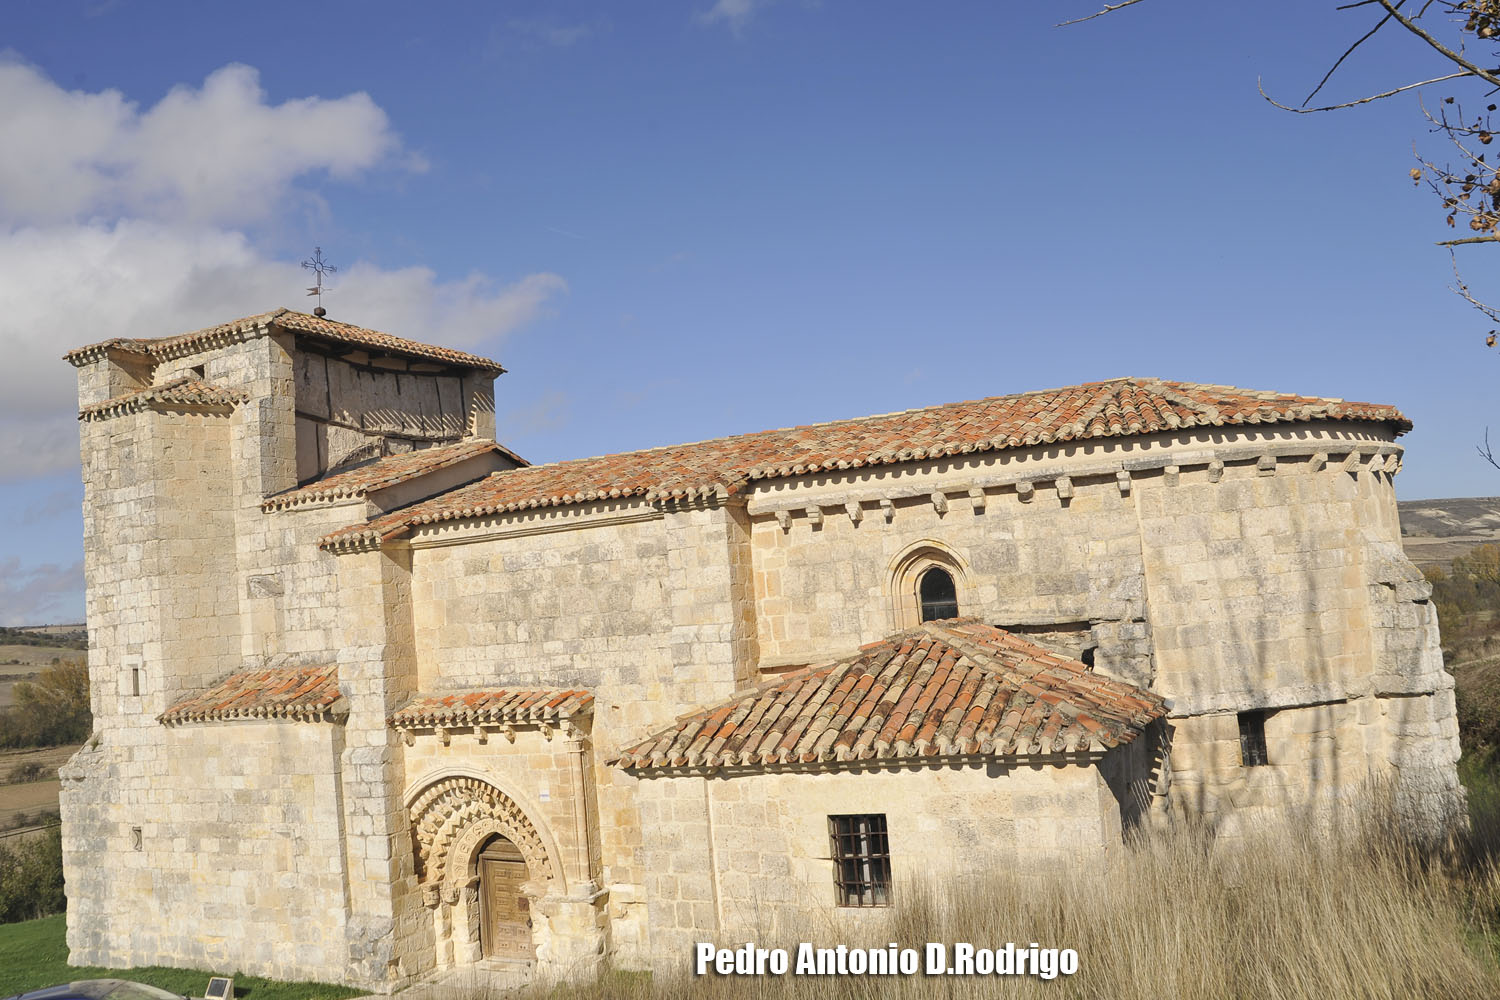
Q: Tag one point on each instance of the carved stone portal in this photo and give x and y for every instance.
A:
(453, 818)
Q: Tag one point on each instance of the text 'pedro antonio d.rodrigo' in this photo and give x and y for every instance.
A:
(934, 959)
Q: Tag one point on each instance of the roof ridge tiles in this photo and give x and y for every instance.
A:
(317, 327)
(723, 465)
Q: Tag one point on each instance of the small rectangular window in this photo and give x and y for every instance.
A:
(861, 860)
(1253, 739)
(135, 680)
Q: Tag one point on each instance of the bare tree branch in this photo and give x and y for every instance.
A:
(1485, 452)
(1340, 61)
(1362, 100)
(1454, 57)
(1468, 239)
(1463, 291)
(1108, 9)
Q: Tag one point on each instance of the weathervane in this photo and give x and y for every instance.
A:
(320, 267)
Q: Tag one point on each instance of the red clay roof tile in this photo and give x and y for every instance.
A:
(306, 694)
(384, 472)
(189, 390)
(951, 688)
(315, 327)
(468, 708)
(1122, 407)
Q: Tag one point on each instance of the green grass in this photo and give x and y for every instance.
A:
(34, 954)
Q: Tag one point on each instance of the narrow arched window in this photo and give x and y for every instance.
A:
(938, 595)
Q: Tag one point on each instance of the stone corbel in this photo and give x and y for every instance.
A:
(939, 502)
(854, 510)
(546, 730)
(1122, 480)
(784, 518)
(1025, 492)
(1392, 464)
(888, 508)
(408, 737)
(815, 516)
(432, 895)
(1351, 463)
(1064, 488)
(509, 732)
(976, 497)
(1265, 465)
(483, 734)
(1215, 471)
(443, 735)
(1377, 464)
(1171, 474)
(1319, 460)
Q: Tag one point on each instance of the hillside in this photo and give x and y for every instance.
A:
(1434, 531)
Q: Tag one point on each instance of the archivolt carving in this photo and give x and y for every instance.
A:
(453, 817)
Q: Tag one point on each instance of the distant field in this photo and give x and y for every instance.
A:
(1433, 532)
(21, 663)
(9, 674)
(32, 798)
(11, 654)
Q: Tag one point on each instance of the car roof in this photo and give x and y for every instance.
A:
(99, 989)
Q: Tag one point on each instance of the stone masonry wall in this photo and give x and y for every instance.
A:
(747, 858)
(645, 608)
(202, 845)
(1260, 570)
(1280, 585)
(828, 584)
(1253, 569)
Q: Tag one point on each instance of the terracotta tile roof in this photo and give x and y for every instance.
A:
(306, 694)
(384, 472)
(1118, 408)
(470, 708)
(954, 688)
(188, 390)
(326, 330)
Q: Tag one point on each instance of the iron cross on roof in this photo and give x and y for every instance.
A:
(321, 268)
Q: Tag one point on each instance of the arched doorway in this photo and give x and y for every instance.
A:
(482, 866)
(504, 909)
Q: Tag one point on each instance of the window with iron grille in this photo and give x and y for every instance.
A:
(861, 860)
(1253, 739)
(938, 595)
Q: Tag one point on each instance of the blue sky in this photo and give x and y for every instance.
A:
(678, 220)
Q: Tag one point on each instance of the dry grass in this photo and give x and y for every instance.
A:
(1312, 913)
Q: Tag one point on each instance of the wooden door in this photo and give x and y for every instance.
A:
(505, 913)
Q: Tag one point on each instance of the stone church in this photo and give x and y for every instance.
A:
(375, 698)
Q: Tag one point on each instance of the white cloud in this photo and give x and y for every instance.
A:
(39, 594)
(121, 222)
(218, 153)
(66, 286)
(411, 302)
(117, 222)
(735, 13)
(551, 411)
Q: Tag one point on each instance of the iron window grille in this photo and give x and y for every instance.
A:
(938, 595)
(861, 860)
(1253, 739)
